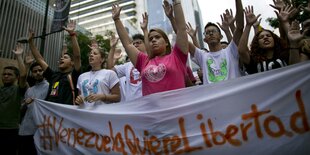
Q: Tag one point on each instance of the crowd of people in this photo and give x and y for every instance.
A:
(154, 65)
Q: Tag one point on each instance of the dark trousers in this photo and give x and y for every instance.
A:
(8, 141)
(26, 145)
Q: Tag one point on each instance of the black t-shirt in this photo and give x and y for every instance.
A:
(256, 67)
(59, 90)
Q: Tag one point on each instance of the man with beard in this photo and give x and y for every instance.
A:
(27, 127)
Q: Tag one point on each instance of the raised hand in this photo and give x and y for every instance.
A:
(70, 27)
(29, 59)
(168, 9)
(117, 54)
(278, 4)
(113, 40)
(250, 16)
(229, 17)
(18, 49)
(116, 10)
(294, 34)
(285, 13)
(30, 34)
(225, 24)
(145, 21)
(190, 31)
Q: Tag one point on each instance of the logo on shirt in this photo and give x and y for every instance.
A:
(155, 73)
(135, 76)
(217, 72)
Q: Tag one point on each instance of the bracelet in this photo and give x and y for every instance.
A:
(177, 3)
(116, 19)
(72, 34)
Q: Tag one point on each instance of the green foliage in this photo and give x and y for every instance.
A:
(302, 16)
(84, 41)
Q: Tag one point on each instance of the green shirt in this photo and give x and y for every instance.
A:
(10, 103)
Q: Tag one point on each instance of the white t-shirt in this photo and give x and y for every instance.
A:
(97, 82)
(133, 83)
(219, 66)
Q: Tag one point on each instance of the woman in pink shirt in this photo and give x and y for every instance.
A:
(164, 69)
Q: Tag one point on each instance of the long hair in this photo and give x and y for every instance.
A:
(163, 34)
(279, 48)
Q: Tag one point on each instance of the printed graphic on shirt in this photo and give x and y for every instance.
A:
(55, 88)
(90, 87)
(217, 71)
(155, 73)
(135, 76)
(265, 66)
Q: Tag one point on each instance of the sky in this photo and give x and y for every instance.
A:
(212, 9)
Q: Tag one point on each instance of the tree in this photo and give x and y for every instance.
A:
(302, 16)
(84, 41)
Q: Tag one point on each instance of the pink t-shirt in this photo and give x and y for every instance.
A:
(162, 73)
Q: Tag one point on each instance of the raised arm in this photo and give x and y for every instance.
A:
(225, 27)
(113, 43)
(22, 69)
(239, 22)
(243, 45)
(193, 34)
(169, 13)
(144, 25)
(35, 52)
(75, 45)
(130, 49)
(181, 38)
(294, 36)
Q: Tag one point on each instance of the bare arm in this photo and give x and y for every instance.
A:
(243, 46)
(169, 13)
(239, 22)
(193, 34)
(225, 27)
(131, 50)
(143, 25)
(294, 36)
(22, 69)
(113, 42)
(35, 52)
(75, 45)
(181, 38)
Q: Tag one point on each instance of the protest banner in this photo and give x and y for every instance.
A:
(265, 113)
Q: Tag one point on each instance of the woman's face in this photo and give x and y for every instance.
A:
(95, 58)
(265, 40)
(157, 43)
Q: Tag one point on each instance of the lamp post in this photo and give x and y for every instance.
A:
(44, 29)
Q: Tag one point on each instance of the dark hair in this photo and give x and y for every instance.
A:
(16, 71)
(34, 65)
(70, 55)
(278, 50)
(163, 34)
(138, 36)
(213, 24)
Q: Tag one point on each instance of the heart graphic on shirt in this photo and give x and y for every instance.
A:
(155, 73)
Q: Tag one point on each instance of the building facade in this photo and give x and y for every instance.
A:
(16, 17)
(96, 17)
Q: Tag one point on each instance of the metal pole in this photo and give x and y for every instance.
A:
(44, 29)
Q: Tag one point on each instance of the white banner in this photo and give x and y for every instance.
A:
(265, 113)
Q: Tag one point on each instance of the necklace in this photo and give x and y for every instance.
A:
(92, 76)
